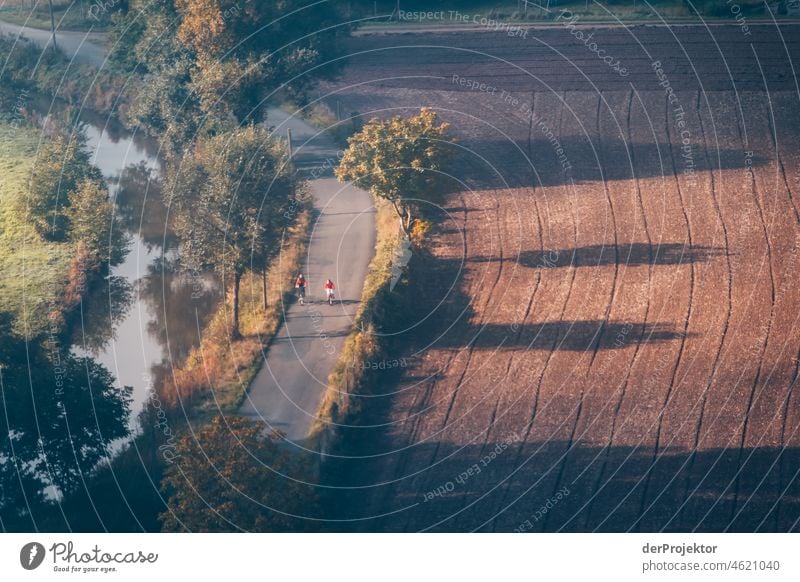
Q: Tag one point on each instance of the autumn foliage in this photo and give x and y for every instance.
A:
(399, 160)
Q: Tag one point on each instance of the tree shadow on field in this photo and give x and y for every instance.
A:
(502, 163)
(567, 335)
(633, 254)
(393, 469)
(508, 485)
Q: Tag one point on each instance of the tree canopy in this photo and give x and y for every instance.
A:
(232, 475)
(399, 160)
(210, 64)
(61, 414)
(229, 200)
(61, 165)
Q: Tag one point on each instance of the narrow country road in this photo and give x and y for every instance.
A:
(292, 381)
(82, 47)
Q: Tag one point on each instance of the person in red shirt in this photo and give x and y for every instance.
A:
(300, 285)
(329, 287)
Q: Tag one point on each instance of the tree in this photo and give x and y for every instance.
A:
(61, 165)
(229, 199)
(399, 160)
(168, 108)
(90, 214)
(209, 62)
(61, 413)
(231, 475)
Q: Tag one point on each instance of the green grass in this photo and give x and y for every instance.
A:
(33, 271)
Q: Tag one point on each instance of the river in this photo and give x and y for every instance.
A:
(147, 315)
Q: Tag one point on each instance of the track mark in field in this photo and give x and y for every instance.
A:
(792, 392)
(616, 288)
(609, 303)
(632, 420)
(598, 488)
(757, 355)
(757, 379)
(503, 507)
(783, 209)
(516, 464)
(573, 439)
(681, 514)
(681, 350)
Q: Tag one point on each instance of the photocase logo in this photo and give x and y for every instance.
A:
(31, 555)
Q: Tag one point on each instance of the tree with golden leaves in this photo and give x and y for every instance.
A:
(205, 26)
(399, 160)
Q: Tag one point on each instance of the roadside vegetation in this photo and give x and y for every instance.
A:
(229, 475)
(215, 376)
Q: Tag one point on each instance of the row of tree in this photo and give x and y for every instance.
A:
(206, 70)
(229, 198)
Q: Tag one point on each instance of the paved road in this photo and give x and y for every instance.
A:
(83, 47)
(289, 387)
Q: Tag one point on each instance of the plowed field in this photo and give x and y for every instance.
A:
(607, 321)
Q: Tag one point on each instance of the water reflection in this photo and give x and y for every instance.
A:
(182, 304)
(146, 316)
(101, 311)
(140, 208)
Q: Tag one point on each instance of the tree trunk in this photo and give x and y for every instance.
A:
(264, 280)
(402, 214)
(52, 25)
(237, 279)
